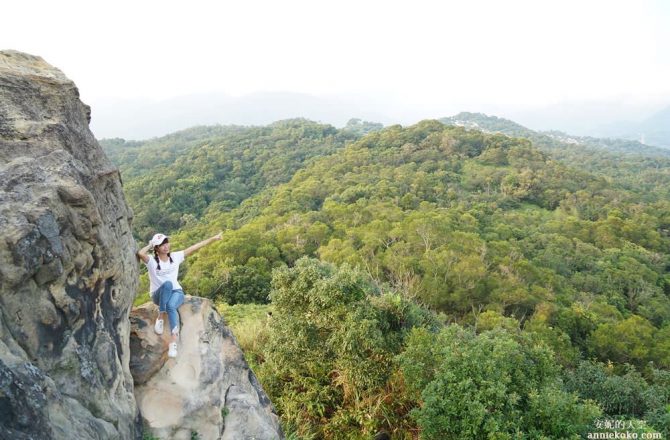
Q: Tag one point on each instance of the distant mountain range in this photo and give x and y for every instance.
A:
(143, 119)
(648, 123)
(654, 130)
(554, 139)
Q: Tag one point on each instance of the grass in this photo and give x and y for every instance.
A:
(249, 323)
(242, 314)
(147, 435)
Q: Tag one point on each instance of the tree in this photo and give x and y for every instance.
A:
(628, 341)
(330, 350)
(492, 385)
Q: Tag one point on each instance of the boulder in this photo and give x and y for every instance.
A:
(207, 389)
(68, 274)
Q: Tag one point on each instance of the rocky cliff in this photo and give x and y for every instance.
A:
(67, 270)
(68, 276)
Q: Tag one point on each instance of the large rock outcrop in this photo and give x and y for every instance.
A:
(208, 389)
(67, 269)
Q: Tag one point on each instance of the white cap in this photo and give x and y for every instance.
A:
(158, 239)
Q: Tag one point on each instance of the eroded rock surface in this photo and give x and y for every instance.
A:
(208, 389)
(68, 273)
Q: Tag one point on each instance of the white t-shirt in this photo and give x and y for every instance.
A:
(169, 271)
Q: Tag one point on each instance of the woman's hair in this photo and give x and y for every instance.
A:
(158, 261)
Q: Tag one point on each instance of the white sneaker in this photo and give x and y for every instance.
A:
(158, 327)
(172, 352)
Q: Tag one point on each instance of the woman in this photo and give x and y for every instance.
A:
(164, 288)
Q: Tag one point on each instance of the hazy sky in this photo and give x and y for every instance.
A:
(430, 56)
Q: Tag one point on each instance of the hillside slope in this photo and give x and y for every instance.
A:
(552, 247)
(171, 181)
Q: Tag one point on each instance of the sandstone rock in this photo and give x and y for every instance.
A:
(148, 351)
(68, 273)
(208, 389)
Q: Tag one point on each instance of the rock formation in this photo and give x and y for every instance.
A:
(208, 389)
(67, 270)
(68, 276)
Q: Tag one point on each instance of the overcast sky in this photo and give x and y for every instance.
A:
(433, 57)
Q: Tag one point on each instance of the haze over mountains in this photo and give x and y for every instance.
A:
(654, 130)
(647, 122)
(143, 119)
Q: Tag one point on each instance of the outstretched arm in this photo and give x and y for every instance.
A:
(142, 253)
(203, 243)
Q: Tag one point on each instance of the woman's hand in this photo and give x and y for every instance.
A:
(142, 253)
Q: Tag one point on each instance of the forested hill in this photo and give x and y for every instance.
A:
(436, 211)
(630, 164)
(554, 276)
(171, 181)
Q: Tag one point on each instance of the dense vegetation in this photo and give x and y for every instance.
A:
(173, 180)
(644, 168)
(433, 281)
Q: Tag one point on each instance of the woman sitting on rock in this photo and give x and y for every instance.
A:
(164, 288)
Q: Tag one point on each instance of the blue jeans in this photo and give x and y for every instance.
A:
(169, 300)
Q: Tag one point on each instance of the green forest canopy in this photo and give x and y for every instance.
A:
(551, 251)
